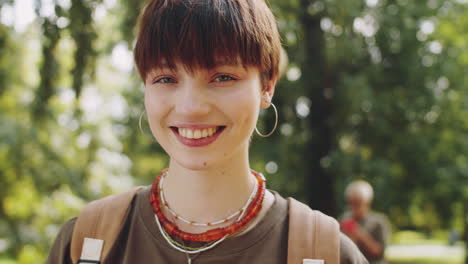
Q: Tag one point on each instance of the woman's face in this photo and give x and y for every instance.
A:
(204, 118)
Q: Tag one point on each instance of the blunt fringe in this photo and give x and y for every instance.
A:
(204, 33)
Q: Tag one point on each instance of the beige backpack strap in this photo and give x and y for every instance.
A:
(101, 219)
(312, 235)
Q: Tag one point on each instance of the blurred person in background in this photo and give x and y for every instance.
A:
(368, 229)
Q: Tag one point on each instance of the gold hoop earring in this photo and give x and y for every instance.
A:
(141, 129)
(274, 127)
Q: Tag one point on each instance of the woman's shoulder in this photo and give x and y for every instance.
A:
(60, 251)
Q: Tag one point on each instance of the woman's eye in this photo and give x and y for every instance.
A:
(224, 78)
(164, 80)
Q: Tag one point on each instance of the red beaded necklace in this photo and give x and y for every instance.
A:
(213, 234)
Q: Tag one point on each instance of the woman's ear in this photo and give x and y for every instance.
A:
(267, 93)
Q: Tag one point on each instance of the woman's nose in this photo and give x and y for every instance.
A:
(192, 101)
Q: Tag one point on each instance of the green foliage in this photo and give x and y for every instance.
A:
(48, 68)
(393, 103)
(4, 41)
(83, 33)
(129, 15)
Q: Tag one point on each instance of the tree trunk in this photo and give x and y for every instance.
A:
(319, 183)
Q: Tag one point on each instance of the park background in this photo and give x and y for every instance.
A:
(374, 90)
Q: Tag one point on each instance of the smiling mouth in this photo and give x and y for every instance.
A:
(197, 133)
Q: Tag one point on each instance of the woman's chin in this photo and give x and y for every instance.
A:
(195, 164)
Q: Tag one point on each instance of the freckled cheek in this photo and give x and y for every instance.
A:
(156, 102)
(250, 119)
(149, 103)
(155, 111)
(246, 107)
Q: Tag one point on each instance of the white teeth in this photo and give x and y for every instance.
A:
(196, 133)
(189, 133)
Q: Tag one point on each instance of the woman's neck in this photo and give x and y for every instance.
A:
(210, 194)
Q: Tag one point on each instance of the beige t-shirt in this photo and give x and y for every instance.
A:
(140, 241)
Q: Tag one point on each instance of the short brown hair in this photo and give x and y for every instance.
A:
(197, 33)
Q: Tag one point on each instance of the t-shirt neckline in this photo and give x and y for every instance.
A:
(274, 216)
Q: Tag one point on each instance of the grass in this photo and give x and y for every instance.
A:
(408, 247)
(418, 238)
(426, 261)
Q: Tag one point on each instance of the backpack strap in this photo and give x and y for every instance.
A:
(101, 219)
(312, 235)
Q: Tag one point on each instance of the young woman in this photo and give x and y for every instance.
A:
(208, 67)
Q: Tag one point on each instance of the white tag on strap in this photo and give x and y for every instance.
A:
(92, 249)
(313, 261)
